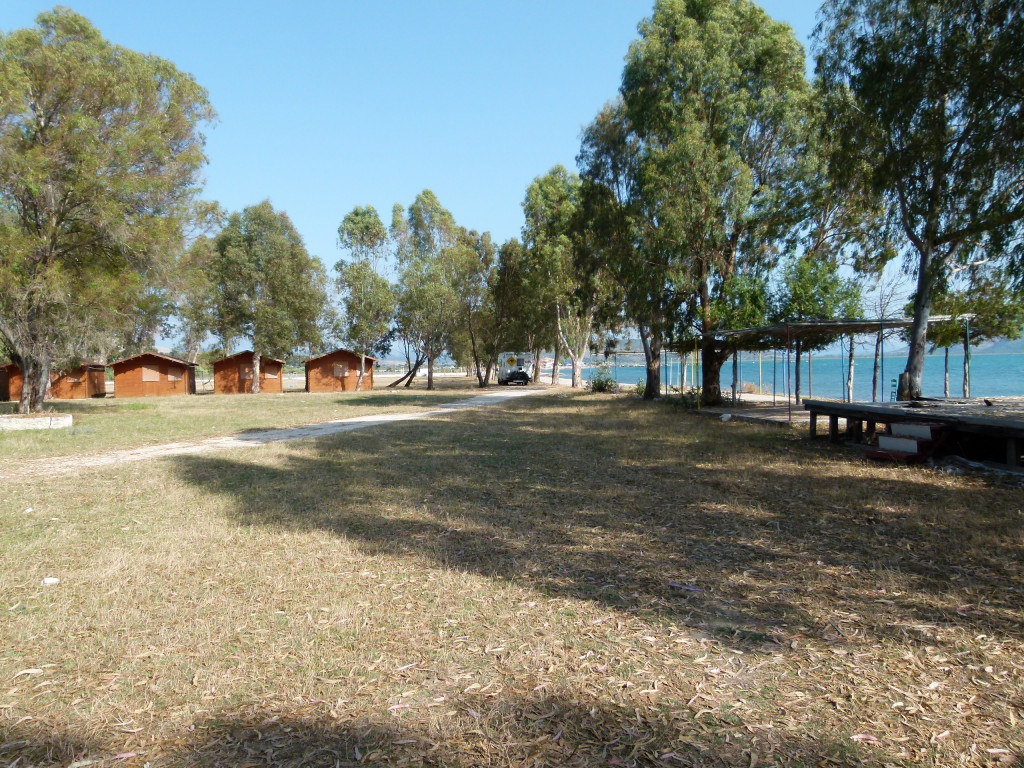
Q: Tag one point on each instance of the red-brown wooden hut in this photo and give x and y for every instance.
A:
(150, 374)
(10, 382)
(88, 380)
(232, 375)
(337, 371)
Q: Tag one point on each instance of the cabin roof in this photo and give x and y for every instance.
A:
(248, 353)
(158, 356)
(336, 351)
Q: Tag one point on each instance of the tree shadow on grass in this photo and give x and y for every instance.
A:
(570, 728)
(683, 520)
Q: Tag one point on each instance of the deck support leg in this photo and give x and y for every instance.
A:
(1013, 451)
(833, 429)
(814, 425)
(854, 430)
(869, 433)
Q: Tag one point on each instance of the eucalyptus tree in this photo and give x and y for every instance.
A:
(553, 234)
(368, 298)
(475, 337)
(514, 316)
(812, 288)
(934, 124)
(100, 151)
(623, 240)
(426, 239)
(700, 166)
(717, 94)
(268, 289)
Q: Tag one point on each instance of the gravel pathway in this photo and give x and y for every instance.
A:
(66, 464)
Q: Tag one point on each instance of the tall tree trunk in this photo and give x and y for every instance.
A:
(967, 366)
(556, 360)
(652, 356)
(362, 372)
(877, 370)
(910, 384)
(711, 361)
(476, 355)
(735, 374)
(430, 373)
(945, 374)
(849, 374)
(796, 373)
(409, 375)
(254, 387)
(35, 379)
(536, 365)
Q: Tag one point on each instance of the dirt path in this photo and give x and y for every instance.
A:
(66, 464)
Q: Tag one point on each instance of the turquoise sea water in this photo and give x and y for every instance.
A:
(992, 375)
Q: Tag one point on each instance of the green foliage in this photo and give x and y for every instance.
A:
(691, 398)
(268, 289)
(603, 380)
(100, 151)
(994, 300)
(368, 298)
(363, 234)
(695, 177)
(427, 241)
(932, 123)
(563, 298)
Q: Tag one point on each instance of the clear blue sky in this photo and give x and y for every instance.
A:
(327, 105)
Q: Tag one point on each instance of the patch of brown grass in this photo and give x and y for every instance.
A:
(568, 580)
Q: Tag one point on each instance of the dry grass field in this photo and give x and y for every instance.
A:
(109, 423)
(566, 580)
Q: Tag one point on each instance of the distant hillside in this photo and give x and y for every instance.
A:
(1002, 347)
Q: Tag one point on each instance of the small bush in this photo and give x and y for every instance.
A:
(640, 387)
(603, 381)
(691, 398)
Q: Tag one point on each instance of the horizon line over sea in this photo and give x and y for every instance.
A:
(992, 374)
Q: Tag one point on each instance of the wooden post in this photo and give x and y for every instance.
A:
(833, 429)
(814, 425)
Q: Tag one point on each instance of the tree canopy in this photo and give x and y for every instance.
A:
(934, 124)
(268, 289)
(100, 150)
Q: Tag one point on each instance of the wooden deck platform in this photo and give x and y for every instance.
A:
(992, 429)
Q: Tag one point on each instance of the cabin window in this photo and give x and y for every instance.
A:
(340, 370)
(74, 378)
(174, 374)
(245, 372)
(151, 373)
(271, 372)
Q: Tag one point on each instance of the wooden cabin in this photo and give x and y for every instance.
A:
(10, 382)
(232, 375)
(153, 375)
(337, 371)
(89, 380)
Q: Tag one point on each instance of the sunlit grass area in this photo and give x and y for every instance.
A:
(564, 580)
(111, 423)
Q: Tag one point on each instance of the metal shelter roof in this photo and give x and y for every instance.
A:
(816, 329)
